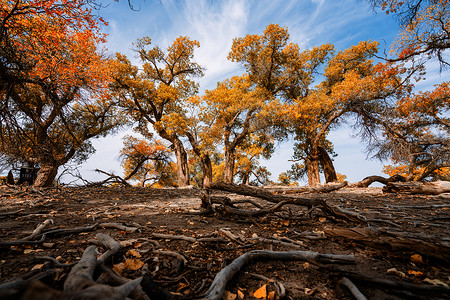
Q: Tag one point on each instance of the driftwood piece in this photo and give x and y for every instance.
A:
(353, 289)
(428, 188)
(306, 189)
(405, 243)
(217, 288)
(38, 230)
(371, 179)
(119, 226)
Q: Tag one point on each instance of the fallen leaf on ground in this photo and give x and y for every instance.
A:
(271, 295)
(228, 296)
(133, 264)
(261, 293)
(416, 258)
(37, 267)
(134, 253)
(415, 273)
(119, 268)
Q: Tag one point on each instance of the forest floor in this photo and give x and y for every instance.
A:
(418, 219)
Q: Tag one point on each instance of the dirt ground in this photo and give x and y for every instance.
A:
(169, 211)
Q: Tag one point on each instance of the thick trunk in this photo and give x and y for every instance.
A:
(228, 173)
(327, 165)
(207, 171)
(182, 163)
(312, 167)
(46, 175)
(246, 178)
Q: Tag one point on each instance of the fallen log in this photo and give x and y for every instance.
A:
(398, 242)
(330, 210)
(305, 189)
(428, 188)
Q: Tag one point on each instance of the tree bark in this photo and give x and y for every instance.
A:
(207, 170)
(327, 165)
(46, 175)
(371, 179)
(182, 163)
(429, 188)
(228, 172)
(312, 168)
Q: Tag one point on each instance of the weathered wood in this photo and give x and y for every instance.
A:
(306, 189)
(371, 179)
(353, 289)
(217, 288)
(261, 193)
(428, 188)
(404, 243)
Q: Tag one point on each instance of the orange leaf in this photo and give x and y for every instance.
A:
(416, 258)
(261, 293)
(134, 264)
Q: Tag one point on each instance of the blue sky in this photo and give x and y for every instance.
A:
(215, 23)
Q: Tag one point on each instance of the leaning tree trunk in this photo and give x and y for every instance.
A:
(327, 165)
(46, 175)
(182, 163)
(228, 172)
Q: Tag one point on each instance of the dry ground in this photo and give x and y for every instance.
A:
(168, 211)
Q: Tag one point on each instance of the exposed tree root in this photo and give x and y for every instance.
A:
(371, 179)
(280, 201)
(215, 292)
(410, 290)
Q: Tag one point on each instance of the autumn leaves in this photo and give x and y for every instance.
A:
(58, 91)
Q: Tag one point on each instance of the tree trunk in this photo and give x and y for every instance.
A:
(207, 170)
(182, 163)
(46, 175)
(327, 165)
(228, 172)
(312, 168)
(246, 178)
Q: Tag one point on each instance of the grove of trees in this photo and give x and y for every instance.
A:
(59, 89)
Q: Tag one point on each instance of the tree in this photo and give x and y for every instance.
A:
(146, 161)
(351, 82)
(415, 128)
(54, 82)
(237, 110)
(153, 97)
(415, 131)
(425, 28)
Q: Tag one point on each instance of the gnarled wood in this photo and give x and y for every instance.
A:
(428, 188)
(306, 189)
(400, 242)
(215, 292)
(371, 179)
